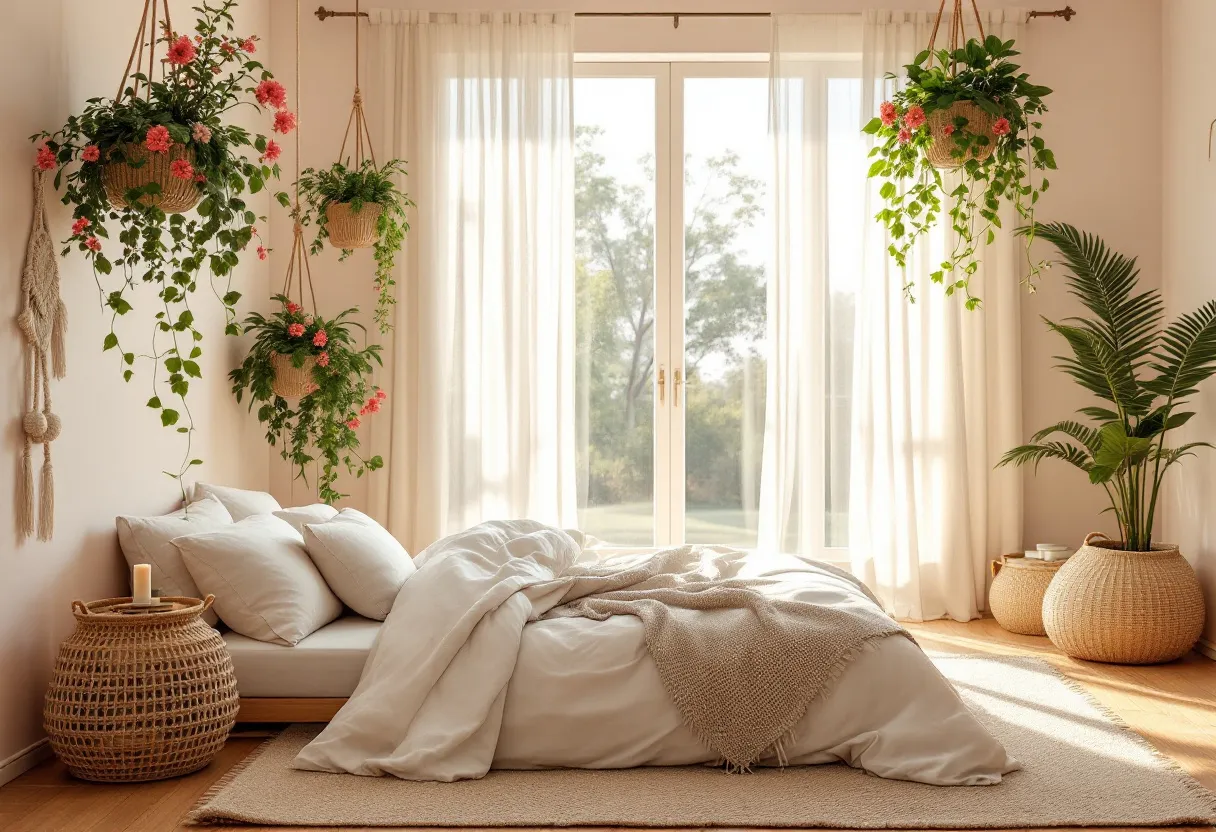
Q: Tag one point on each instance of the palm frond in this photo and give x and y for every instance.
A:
(1186, 355)
(1037, 452)
(1087, 436)
(1099, 368)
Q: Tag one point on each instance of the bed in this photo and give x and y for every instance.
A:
(586, 693)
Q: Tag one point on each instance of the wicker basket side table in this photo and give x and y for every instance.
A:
(140, 697)
(1015, 598)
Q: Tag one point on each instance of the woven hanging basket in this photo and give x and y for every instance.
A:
(176, 196)
(941, 152)
(140, 697)
(290, 381)
(348, 229)
(1016, 596)
(1111, 605)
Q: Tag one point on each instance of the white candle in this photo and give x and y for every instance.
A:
(143, 584)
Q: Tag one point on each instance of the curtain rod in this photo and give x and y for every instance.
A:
(1068, 12)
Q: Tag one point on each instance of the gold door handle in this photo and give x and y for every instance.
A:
(662, 383)
(676, 382)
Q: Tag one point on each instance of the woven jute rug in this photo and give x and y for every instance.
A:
(1081, 767)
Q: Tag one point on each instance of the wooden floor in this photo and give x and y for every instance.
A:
(1174, 706)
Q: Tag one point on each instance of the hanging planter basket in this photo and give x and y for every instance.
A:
(290, 381)
(353, 229)
(141, 167)
(946, 152)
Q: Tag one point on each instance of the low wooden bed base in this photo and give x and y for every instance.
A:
(262, 709)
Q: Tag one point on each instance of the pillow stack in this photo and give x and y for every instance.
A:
(277, 574)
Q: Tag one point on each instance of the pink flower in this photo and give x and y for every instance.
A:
(284, 121)
(1001, 127)
(93, 244)
(320, 339)
(293, 308)
(215, 69)
(886, 112)
(91, 153)
(272, 151)
(295, 330)
(373, 405)
(261, 252)
(201, 133)
(158, 140)
(79, 226)
(914, 118)
(948, 130)
(323, 359)
(905, 135)
(181, 51)
(227, 48)
(46, 158)
(363, 410)
(182, 169)
(200, 178)
(353, 423)
(249, 46)
(380, 394)
(271, 92)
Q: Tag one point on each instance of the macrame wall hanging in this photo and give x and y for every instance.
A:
(43, 321)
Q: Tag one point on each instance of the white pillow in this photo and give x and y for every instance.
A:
(265, 586)
(361, 561)
(150, 540)
(239, 502)
(302, 515)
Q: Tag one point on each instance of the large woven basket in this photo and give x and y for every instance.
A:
(140, 697)
(348, 229)
(941, 151)
(176, 195)
(1016, 596)
(1110, 605)
(291, 382)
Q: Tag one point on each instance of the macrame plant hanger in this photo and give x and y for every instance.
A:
(958, 37)
(357, 121)
(43, 321)
(145, 34)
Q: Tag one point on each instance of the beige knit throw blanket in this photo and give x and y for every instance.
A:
(741, 664)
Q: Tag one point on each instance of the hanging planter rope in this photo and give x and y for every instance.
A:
(945, 152)
(133, 166)
(293, 374)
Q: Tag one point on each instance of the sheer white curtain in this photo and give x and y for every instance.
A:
(480, 107)
(936, 394)
(803, 443)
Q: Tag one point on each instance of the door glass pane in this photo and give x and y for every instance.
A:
(614, 223)
(727, 245)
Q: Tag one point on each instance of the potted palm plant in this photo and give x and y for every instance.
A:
(1131, 600)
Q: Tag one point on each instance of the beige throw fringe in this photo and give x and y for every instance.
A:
(43, 321)
(740, 666)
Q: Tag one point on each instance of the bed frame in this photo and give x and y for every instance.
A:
(260, 709)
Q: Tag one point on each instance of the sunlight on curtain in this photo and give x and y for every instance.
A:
(483, 373)
(937, 393)
(819, 170)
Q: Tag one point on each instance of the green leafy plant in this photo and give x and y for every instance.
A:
(914, 189)
(1143, 373)
(359, 187)
(324, 421)
(205, 78)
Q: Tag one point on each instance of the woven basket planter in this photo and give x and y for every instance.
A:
(1110, 605)
(1016, 596)
(291, 382)
(940, 152)
(140, 697)
(176, 196)
(348, 229)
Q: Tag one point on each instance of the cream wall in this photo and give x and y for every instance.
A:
(1108, 182)
(108, 460)
(1187, 219)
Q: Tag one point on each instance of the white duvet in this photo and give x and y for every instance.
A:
(464, 678)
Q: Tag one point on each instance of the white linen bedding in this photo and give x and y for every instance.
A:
(463, 678)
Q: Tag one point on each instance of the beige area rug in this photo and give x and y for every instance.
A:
(1080, 768)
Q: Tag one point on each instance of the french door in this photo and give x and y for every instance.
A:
(674, 245)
